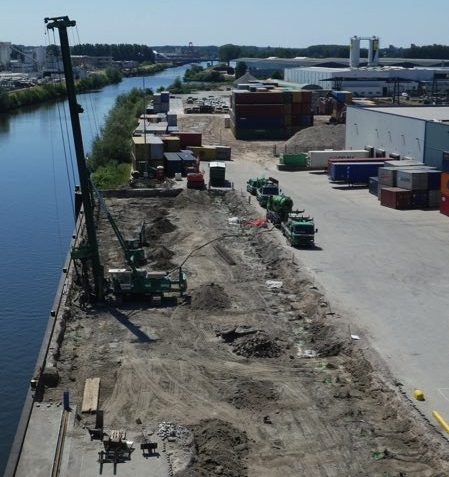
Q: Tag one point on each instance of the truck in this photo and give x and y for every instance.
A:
(255, 183)
(271, 187)
(278, 208)
(217, 174)
(299, 230)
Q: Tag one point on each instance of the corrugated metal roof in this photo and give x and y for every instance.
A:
(426, 113)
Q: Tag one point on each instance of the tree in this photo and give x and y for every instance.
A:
(240, 69)
(229, 52)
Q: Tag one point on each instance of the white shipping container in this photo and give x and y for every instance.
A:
(319, 159)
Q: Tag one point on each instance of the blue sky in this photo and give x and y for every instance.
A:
(288, 23)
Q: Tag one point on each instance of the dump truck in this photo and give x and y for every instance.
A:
(271, 187)
(299, 230)
(278, 208)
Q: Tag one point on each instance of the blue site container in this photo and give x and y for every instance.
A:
(353, 172)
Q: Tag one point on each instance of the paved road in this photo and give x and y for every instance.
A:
(387, 270)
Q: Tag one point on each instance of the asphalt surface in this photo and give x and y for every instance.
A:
(385, 270)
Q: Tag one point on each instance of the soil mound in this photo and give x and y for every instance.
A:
(250, 394)
(161, 257)
(210, 297)
(220, 449)
(160, 225)
(323, 136)
(259, 345)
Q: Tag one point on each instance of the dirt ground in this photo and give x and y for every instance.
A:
(250, 373)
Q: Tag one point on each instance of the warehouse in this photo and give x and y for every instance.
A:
(388, 81)
(418, 133)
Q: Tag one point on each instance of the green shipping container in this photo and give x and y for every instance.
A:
(293, 159)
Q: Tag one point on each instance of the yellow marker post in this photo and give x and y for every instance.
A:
(442, 422)
(419, 395)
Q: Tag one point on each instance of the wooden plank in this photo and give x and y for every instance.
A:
(91, 395)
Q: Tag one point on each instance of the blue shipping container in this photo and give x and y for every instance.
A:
(353, 172)
(433, 179)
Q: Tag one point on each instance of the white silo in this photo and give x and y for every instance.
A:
(354, 53)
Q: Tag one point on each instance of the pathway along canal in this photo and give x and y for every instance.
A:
(36, 217)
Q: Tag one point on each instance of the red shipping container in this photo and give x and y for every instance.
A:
(247, 97)
(395, 197)
(444, 204)
(259, 110)
(189, 139)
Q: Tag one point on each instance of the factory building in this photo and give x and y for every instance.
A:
(404, 133)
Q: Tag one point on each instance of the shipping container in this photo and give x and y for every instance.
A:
(419, 199)
(373, 186)
(411, 179)
(189, 138)
(403, 163)
(293, 159)
(445, 183)
(354, 159)
(433, 200)
(445, 162)
(353, 172)
(258, 110)
(395, 198)
(246, 97)
(171, 143)
(261, 122)
(172, 164)
(433, 179)
(223, 153)
(319, 159)
(444, 204)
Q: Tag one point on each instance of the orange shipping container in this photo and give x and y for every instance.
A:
(445, 183)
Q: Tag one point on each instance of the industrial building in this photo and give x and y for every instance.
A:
(417, 133)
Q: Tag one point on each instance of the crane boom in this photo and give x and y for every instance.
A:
(90, 251)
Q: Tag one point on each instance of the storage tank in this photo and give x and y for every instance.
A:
(373, 51)
(354, 53)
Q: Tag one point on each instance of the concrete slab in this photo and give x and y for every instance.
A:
(39, 447)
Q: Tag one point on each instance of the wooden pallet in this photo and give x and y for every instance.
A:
(91, 395)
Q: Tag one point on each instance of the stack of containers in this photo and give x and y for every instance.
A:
(444, 186)
(274, 114)
(417, 187)
(147, 149)
(161, 102)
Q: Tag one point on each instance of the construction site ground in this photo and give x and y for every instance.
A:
(250, 373)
